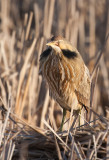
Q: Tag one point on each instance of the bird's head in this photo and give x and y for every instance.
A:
(55, 44)
(62, 46)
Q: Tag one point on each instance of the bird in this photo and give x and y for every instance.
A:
(67, 76)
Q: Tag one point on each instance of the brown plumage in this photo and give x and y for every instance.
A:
(66, 74)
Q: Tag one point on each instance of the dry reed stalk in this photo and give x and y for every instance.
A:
(99, 56)
(58, 149)
(34, 89)
(4, 56)
(75, 29)
(44, 110)
(93, 95)
(26, 92)
(61, 18)
(105, 75)
(69, 125)
(5, 8)
(24, 122)
(38, 56)
(46, 8)
(24, 31)
(37, 24)
(29, 26)
(92, 40)
(12, 50)
(56, 135)
(51, 115)
(22, 75)
(50, 17)
(107, 147)
(51, 111)
(4, 126)
(3, 92)
(82, 32)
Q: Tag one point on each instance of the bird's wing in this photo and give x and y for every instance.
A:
(80, 77)
(83, 89)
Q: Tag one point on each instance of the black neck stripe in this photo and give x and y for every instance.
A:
(45, 53)
(69, 54)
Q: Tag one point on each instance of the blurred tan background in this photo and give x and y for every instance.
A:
(25, 27)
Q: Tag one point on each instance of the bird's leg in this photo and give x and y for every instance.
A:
(63, 118)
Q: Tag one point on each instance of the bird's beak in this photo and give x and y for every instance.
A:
(49, 44)
(52, 44)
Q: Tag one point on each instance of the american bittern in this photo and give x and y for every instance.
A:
(67, 76)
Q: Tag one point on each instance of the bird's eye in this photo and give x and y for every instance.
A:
(57, 43)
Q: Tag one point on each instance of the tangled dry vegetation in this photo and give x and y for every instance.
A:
(29, 119)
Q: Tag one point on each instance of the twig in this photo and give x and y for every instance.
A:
(99, 56)
(56, 134)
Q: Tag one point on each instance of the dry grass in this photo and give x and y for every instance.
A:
(29, 119)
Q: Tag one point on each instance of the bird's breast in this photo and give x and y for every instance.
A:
(59, 76)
